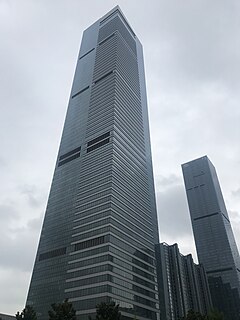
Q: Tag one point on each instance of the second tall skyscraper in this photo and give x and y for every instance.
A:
(216, 247)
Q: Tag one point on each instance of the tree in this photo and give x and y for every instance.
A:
(28, 313)
(215, 315)
(62, 311)
(192, 315)
(107, 311)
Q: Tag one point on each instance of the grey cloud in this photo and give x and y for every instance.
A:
(8, 213)
(3, 162)
(236, 193)
(21, 246)
(174, 218)
(35, 224)
(20, 235)
(169, 181)
(200, 41)
(234, 215)
(33, 195)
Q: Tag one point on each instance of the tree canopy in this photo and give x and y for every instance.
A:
(192, 315)
(215, 315)
(212, 315)
(62, 311)
(28, 313)
(107, 311)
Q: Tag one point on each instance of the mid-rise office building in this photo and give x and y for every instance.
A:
(215, 243)
(182, 284)
(100, 226)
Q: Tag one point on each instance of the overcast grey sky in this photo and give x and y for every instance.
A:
(192, 61)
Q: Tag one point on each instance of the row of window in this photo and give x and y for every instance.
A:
(92, 145)
(98, 145)
(75, 156)
(66, 155)
(91, 261)
(109, 289)
(79, 275)
(101, 137)
(127, 257)
(119, 215)
(88, 214)
(89, 243)
(132, 249)
(116, 224)
(124, 239)
(102, 258)
(52, 254)
(87, 281)
(77, 256)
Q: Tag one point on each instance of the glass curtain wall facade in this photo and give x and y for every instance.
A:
(100, 227)
(182, 283)
(215, 243)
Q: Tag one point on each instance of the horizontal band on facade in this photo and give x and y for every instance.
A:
(109, 215)
(75, 156)
(82, 312)
(86, 53)
(149, 286)
(113, 230)
(210, 215)
(103, 77)
(66, 155)
(128, 256)
(79, 92)
(52, 254)
(98, 145)
(115, 286)
(106, 39)
(206, 216)
(219, 270)
(137, 237)
(123, 256)
(108, 267)
(149, 255)
(101, 137)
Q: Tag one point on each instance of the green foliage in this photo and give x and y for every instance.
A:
(62, 311)
(28, 313)
(192, 315)
(107, 311)
(212, 315)
(215, 315)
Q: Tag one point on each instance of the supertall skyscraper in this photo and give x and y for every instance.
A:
(215, 243)
(100, 226)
